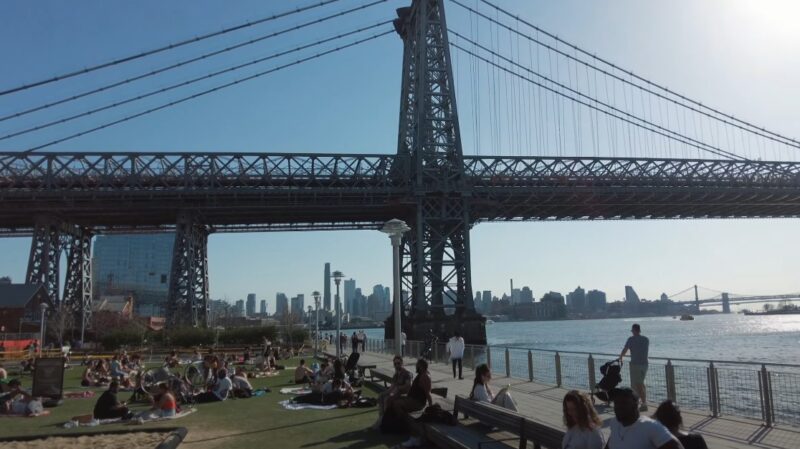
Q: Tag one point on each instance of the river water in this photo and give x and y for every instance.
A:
(734, 337)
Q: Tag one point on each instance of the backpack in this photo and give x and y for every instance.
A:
(434, 414)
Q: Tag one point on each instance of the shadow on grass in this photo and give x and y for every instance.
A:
(270, 429)
(359, 439)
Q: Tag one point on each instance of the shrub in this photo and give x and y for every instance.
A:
(247, 335)
(122, 337)
(186, 337)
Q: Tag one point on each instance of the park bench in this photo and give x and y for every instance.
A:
(513, 425)
(386, 376)
(362, 368)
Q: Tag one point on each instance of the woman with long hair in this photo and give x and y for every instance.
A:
(669, 414)
(481, 391)
(583, 424)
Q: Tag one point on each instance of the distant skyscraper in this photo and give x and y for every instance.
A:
(487, 301)
(263, 307)
(526, 295)
(326, 288)
(553, 298)
(281, 304)
(137, 264)
(349, 296)
(595, 300)
(298, 304)
(239, 308)
(630, 295)
(576, 300)
(251, 304)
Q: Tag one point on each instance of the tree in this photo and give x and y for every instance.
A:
(59, 323)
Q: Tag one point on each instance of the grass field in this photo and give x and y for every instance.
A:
(235, 423)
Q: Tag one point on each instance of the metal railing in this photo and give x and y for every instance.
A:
(769, 392)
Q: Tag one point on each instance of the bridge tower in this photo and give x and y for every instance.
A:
(52, 237)
(436, 256)
(187, 301)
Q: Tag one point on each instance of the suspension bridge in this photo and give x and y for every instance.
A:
(607, 144)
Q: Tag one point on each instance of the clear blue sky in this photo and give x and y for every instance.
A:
(737, 55)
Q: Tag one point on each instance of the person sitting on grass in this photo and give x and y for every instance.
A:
(19, 402)
(165, 404)
(483, 393)
(669, 414)
(90, 379)
(583, 424)
(172, 360)
(241, 386)
(109, 407)
(219, 391)
(302, 375)
(401, 383)
(116, 368)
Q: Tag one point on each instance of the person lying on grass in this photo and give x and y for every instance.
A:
(241, 386)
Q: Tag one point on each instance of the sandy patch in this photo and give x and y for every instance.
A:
(133, 440)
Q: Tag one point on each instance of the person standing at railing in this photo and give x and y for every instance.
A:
(639, 346)
(455, 347)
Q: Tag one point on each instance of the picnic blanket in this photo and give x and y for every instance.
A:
(42, 413)
(289, 405)
(295, 390)
(100, 422)
(79, 394)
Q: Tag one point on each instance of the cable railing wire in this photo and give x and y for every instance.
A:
(164, 48)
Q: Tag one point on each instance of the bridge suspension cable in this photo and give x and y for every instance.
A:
(547, 118)
(183, 63)
(188, 82)
(692, 105)
(211, 90)
(588, 101)
(164, 48)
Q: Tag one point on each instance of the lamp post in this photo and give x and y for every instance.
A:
(316, 297)
(395, 229)
(337, 278)
(43, 307)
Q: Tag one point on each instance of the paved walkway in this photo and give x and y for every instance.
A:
(543, 403)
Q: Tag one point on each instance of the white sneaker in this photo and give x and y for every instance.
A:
(412, 442)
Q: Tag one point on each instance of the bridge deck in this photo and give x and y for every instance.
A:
(543, 402)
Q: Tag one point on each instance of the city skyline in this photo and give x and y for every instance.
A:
(344, 110)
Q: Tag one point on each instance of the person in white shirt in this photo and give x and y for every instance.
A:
(483, 393)
(241, 386)
(219, 392)
(455, 347)
(403, 343)
(629, 430)
(583, 424)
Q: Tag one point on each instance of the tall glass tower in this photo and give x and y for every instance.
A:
(137, 265)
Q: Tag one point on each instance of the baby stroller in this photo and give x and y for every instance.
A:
(351, 369)
(611, 378)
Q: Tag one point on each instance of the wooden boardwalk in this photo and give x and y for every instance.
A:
(543, 403)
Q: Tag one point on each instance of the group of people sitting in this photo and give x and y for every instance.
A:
(121, 367)
(327, 382)
(629, 430)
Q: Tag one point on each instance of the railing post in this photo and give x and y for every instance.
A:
(669, 376)
(489, 356)
(590, 365)
(530, 366)
(558, 369)
(712, 389)
(767, 410)
(472, 356)
(508, 364)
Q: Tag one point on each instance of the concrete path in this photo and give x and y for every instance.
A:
(543, 403)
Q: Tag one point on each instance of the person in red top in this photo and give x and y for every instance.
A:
(166, 404)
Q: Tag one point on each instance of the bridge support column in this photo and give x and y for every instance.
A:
(78, 284)
(726, 303)
(188, 287)
(45, 256)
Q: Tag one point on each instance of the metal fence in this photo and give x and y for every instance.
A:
(765, 391)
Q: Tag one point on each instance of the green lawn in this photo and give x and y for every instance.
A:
(240, 423)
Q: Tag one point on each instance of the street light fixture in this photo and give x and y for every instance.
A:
(316, 297)
(337, 278)
(43, 307)
(395, 229)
